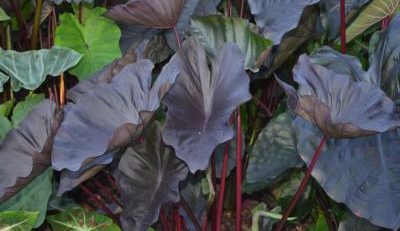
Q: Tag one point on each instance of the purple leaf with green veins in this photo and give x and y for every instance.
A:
(202, 101)
(340, 107)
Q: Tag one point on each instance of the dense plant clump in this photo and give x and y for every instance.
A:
(199, 115)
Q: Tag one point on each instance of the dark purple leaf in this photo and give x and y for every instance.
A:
(149, 13)
(202, 101)
(340, 107)
(148, 176)
(111, 116)
(25, 152)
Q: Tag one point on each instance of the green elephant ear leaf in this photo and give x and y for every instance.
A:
(214, 31)
(273, 153)
(17, 220)
(97, 38)
(33, 197)
(24, 107)
(362, 173)
(79, 219)
(373, 13)
(29, 69)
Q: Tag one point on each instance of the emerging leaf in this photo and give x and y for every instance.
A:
(340, 107)
(97, 38)
(111, 116)
(29, 69)
(202, 101)
(214, 31)
(25, 152)
(373, 13)
(142, 12)
(360, 172)
(143, 196)
(276, 17)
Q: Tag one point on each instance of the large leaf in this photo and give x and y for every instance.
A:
(373, 13)
(273, 153)
(330, 14)
(276, 17)
(360, 172)
(25, 152)
(17, 220)
(97, 38)
(385, 62)
(33, 197)
(337, 105)
(80, 220)
(111, 116)
(148, 176)
(24, 107)
(29, 69)
(214, 31)
(141, 12)
(207, 98)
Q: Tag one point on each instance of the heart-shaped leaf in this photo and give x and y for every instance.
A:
(29, 69)
(97, 38)
(373, 13)
(34, 197)
(25, 152)
(80, 220)
(142, 12)
(207, 97)
(143, 196)
(273, 153)
(360, 172)
(17, 220)
(385, 62)
(214, 31)
(276, 17)
(340, 107)
(111, 116)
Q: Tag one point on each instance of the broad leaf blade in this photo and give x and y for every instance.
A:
(24, 107)
(29, 69)
(97, 38)
(144, 196)
(5, 127)
(214, 31)
(276, 17)
(17, 220)
(373, 13)
(200, 121)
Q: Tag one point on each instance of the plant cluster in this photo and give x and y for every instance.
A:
(199, 115)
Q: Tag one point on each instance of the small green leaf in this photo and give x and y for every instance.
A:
(5, 127)
(6, 108)
(24, 107)
(3, 15)
(97, 38)
(29, 69)
(17, 220)
(320, 224)
(373, 13)
(214, 31)
(33, 197)
(80, 220)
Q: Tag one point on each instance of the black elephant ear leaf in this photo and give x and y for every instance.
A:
(25, 152)
(202, 101)
(143, 197)
(110, 116)
(276, 17)
(362, 173)
(340, 107)
(141, 12)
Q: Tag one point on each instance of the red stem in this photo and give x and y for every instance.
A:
(303, 184)
(178, 39)
(164, 221)
(98, 201)
(238, 219)
(241, 8)
(190, 213)
(221, 192)
(80, 13)
(178, 221)
(108, 192)
(343, 26)
(229, 8)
